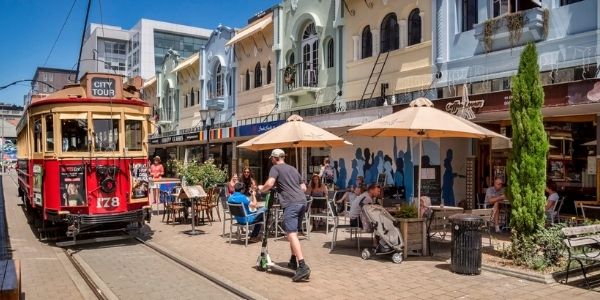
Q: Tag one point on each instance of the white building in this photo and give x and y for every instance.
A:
(139, 50)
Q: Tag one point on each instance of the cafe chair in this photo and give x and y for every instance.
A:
(337, 225)
(486, 215)
(320, 211)
(590, 212)
(554, 215)
(173, 208)
(306, 220)
(237, 210)
(226, 214)
(481, 201)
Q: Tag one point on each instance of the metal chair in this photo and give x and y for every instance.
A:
(226, 214)
(590, 212)
(321, 204)
(337, 225)
(554, 215)
(486, 215)
(481, 202)
(238, 210)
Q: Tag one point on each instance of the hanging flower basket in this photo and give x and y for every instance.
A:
(289, 75)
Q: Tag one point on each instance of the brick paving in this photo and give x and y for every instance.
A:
(343, 274)
(42, 273)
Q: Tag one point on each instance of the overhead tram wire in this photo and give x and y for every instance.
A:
(59, 33)
(87, 14)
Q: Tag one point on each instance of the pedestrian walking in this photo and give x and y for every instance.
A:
(290, 191)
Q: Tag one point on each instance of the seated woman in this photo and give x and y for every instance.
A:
(316, 188)
(231, 184)
(552, 199)
(348, 198)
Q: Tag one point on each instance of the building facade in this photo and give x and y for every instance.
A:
(139, 50)
(55, 80)
(476, 50)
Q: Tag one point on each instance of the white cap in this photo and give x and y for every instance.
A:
(277, 153)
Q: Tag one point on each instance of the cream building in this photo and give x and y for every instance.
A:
(387, 49)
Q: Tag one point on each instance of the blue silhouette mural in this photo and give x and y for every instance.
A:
(408, 173)
(342, 174)
(448, 180)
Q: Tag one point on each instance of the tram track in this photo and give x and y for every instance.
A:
(82, 260)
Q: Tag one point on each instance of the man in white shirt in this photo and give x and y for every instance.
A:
(494, 195)
(365, 198)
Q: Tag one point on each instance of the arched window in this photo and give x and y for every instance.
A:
(228, 84)
(192, 100)
(292, 59)
(219, 80)
(330, 54)
(414, 27)
(367, 42)
(257, 75)
(247, 80)
(269, 72)
(390, 33)
(186, 101)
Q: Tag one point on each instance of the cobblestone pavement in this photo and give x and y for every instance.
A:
(42, 273)
(343, 274)
(134, 271)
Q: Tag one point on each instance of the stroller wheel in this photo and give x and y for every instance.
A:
(397, 257)
(365, 254)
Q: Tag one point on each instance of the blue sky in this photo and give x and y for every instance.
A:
(29, 28)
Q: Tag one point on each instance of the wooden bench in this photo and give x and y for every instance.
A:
(583, 244)
(10, 279)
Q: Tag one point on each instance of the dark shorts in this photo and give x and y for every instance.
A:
(292, 217)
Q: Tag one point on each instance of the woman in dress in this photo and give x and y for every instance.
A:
(156, 171)
(316, 188)
(248, 181)
(231, 184)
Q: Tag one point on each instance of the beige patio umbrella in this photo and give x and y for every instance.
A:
(295, 133)
(422, 120)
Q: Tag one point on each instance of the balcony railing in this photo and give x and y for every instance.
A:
(298, 76)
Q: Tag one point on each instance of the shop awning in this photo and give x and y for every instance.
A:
(188, 62)
(251, 29)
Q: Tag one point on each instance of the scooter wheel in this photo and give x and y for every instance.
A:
(397, 257)
(365, 254)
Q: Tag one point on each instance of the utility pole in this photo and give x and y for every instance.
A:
(3, 144)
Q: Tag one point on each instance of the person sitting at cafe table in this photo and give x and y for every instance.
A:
(494, 195)
(356, 218)
(552, 198)
(316, 188)
(351, 194)
(254, 214)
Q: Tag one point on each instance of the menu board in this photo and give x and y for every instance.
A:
(431, 185)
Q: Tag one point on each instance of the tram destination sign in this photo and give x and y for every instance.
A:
(103, 87)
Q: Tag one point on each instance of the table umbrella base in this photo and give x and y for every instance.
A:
(193, 232)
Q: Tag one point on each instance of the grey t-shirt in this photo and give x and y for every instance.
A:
(287, 183)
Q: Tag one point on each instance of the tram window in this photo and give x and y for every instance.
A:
(74, 135)
(37, 133)
(49, 134)
(106, 135)
(133, 135)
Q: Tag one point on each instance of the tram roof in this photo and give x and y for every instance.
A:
(96, 88)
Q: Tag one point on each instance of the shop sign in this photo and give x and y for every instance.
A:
(177, 138)
(191, 136)
(155, 141)
(464, 107)
(255, 129)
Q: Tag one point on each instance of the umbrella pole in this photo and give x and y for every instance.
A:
(419, 182)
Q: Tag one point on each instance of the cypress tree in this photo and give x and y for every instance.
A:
(527, 163)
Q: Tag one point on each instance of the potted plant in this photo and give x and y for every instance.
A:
(202, 176)
(289, 75)
(412, 228)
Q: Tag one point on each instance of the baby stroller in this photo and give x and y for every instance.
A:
(384, 226)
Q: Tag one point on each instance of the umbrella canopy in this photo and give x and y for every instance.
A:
(421, 119)
(590, 143)
(295, 133)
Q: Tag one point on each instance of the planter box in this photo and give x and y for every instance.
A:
(414, 233)
(533, 31)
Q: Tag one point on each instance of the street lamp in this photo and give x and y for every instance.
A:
(205, 116)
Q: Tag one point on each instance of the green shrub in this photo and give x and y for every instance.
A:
(539, 251)
(206, 174)
(407, 211)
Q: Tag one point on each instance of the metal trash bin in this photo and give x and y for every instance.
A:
(466, 244)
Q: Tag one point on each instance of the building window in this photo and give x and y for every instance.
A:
(414, 27)
(330, 53)
(469, 14)
(192, 100)
(269, 72)
(500, 7)
(390, 33)
(50, 77)
(567, 2)
(292, 59)
(257, 75)
(45, 76)
(219, 80)
(49, 134)
(367, 42)
(185, 104)
(229, 84)
(247, 80)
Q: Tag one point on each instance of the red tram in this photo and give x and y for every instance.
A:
(83, 157)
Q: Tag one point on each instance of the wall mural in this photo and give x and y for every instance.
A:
(395, 157)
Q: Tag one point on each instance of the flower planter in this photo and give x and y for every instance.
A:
(414, 234)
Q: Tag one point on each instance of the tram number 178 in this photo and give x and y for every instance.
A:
(110, 202)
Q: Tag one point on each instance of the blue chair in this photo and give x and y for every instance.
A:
(238, 210)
